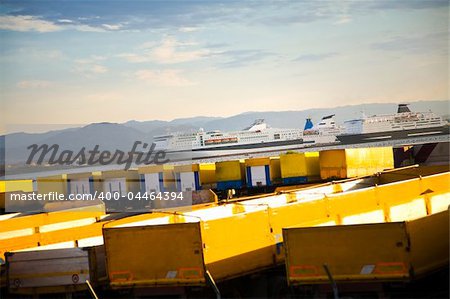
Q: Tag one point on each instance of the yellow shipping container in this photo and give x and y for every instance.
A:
(367, 252)
(207, 171)
(230, 171)
(293, 165)
(167, 170)
(299, 165)
(130, 177)
(353, 162)
(55, 183)
(257, 162)
(16, 185)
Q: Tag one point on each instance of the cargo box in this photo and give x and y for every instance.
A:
(54, 271)
(157, 178)
(299, 167)
(353, 162)
(194, 177)
(367, 252)
(230, 175)
(257, 172)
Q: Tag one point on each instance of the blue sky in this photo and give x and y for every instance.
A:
(78, 62)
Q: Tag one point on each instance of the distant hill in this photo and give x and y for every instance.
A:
(122, 136)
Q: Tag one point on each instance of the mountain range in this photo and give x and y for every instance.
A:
(114, 136)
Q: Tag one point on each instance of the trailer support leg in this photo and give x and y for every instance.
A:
(332, 281)
(91, 289)
(213, 284)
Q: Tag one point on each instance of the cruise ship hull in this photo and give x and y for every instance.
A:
(392, 135)
(299, 142)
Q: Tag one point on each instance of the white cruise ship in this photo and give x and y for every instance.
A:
(403, 124)
(259, 134)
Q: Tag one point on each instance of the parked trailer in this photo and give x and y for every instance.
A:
(367, 252)
(194, 177)
(354, 162)
(299, 168)
(54, 271)
(84, 183)
(367, 257)
(21, 232)
(230, 175)
(236, 239)
(13, 186)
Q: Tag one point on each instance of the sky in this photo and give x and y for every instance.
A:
(77, 62)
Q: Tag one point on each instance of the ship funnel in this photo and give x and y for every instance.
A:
(402, 108)
(308, 124)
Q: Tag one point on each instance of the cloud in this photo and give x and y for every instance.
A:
(112, 27)
(315, 57)
(90, 67)
(168, 51)
(65, 21)
(415, 44)
(240, 58)
(410, 4)
(27, 23)
(188, 17)
(167, 78)
(34, 84)
(188, 29)
(86, 28)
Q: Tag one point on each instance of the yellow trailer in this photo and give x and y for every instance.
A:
(194, 177)
(21, 232)
(230, 174)
(299, 167)
(367, 252)
(15, 186)
(354, 162)
(55, 183)
(83, 183)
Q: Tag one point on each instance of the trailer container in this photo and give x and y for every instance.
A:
(13, 186)
(367, 252)
(299, 167)
(257, 172)
(55, 183)
(54, 271)
(83, 183)
(354, 162)
(194, 177)
(28, 231)
(230, 175)
(157, 178)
